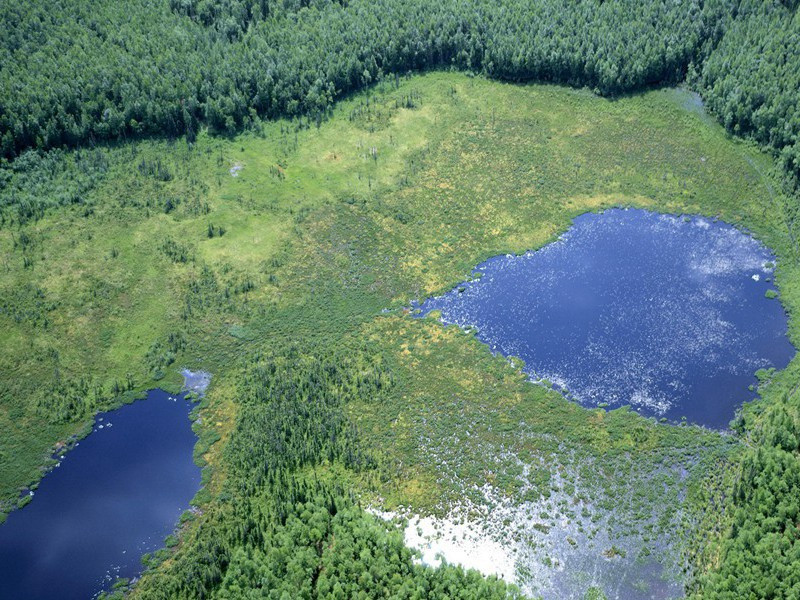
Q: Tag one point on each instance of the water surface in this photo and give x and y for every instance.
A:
(666, 314)
(115, 496)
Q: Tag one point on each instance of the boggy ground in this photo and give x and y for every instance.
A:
(159, 255)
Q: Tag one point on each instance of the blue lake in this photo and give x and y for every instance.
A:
(666, 314)
(113, 497)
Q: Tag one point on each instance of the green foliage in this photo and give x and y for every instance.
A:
(162, 68)
(28, 304)
(212, 231)
(751, 80)
(165, 68)
(162, 354)
(155, 169)
(28, 185)
(594, 593)
(291, 415)
(73, 400)
(282, 531)
(176, 251)
(760, 550)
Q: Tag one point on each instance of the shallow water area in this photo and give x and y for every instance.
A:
(668, 314)
(112, 498)
(196, 381)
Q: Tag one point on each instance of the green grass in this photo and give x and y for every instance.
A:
(324, 227)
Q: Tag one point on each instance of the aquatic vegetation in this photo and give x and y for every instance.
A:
(629, 307)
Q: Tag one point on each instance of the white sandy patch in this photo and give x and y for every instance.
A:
(700, 222)
(456, 540)
(459, 543)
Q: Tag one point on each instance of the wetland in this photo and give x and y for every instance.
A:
(672, 315)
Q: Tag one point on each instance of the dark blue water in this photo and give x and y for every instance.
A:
(114, 497)
(666, 314)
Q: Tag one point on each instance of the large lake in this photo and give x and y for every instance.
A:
(666, 314)
(113, 497)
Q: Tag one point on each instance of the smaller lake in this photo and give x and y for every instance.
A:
(115, 496)
(666, 314)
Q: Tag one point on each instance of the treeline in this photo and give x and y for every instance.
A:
(284, 527)
(75, 72)
(751, 81)
(760, 553)
(35, 182)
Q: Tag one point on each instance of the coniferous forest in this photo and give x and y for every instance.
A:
(84, 72)
(305, 379)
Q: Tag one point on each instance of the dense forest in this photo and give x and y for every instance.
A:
(761, 551)
(79, 74)
(285, 530)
